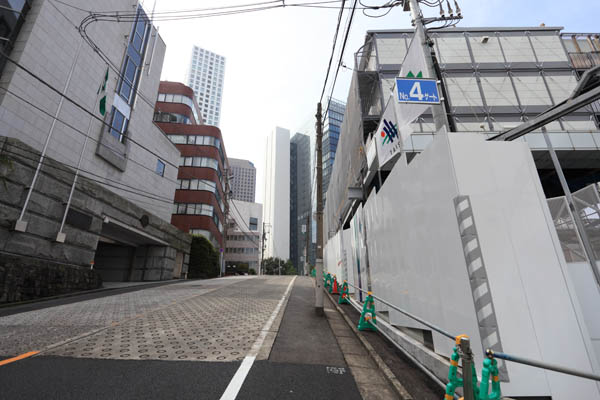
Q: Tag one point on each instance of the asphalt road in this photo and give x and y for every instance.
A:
(181, 341)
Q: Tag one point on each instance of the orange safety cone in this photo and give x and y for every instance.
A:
(335, 289)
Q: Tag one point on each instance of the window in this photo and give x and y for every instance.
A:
(118, 124)
(160, 168)
(253, 224)
(133, 57)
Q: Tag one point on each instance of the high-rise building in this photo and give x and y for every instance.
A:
(332, 125)
(200, 199)
(243, 184)
(300, 200)
(276, 210)
(205, 76)
(244, 231)
(104, 150)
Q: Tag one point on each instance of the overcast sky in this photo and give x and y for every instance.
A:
(276, 59)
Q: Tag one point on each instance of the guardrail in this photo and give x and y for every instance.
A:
(473, 391)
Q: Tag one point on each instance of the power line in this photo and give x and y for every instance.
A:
(245, 225)
(335, 35)
(76, 104)
(47, 163)
(76, 129)
(340, 62)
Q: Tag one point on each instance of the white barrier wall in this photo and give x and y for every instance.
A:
(462, 237)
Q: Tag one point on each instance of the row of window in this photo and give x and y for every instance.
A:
(205, 162)
(199, 140)
(201, 184)
(197, 184)
(172, 118)
(241, 250)
(198, 209)
(195, 139)
(181, 99)
(243, 237)
(130, 75)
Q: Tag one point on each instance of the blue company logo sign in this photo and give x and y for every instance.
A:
(420, 91)
(389, 131)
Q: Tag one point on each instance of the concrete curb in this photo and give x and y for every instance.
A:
(387, 372)
(92, 291)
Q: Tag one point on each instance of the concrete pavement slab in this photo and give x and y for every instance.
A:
(274, 381)
(304, 337)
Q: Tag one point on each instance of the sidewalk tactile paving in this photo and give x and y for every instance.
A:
(220, 326)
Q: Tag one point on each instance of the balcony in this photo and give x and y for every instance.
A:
(585, 60)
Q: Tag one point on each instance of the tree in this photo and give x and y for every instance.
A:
(204, 259)
(272, 265)
(237, 268)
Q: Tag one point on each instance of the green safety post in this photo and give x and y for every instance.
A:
(368, 320)
(490, 368)
(480, 390)
(453, 380)
(344, 295)
(328, 281)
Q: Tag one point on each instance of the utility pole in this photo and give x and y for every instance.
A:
(439, 114)
(308, 237)
(319, 261)
(263, 247)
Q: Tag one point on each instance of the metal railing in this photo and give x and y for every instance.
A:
(585, 60)
(463, 344)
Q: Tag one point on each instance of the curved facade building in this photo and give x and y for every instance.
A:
(200, 205)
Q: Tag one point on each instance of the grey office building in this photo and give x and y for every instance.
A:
(300, 199)
(243, 184)
(495, 79)
(332, 124)
(63, 230)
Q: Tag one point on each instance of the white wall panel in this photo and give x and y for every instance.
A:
(417, 260)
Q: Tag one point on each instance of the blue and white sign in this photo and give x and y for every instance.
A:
(417, 90)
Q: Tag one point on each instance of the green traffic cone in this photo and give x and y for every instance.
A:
(368, 320)
(344, 295)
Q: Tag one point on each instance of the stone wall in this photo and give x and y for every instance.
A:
(25, 278)
(91, 204)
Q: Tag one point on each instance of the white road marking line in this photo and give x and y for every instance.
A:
(240, 375)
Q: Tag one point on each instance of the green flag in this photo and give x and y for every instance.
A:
(102, 90)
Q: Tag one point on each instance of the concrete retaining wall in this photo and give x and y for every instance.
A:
(91, 204)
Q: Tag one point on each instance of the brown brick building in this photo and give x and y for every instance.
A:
(200, 205)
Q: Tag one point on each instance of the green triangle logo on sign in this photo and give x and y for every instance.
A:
(411, 75)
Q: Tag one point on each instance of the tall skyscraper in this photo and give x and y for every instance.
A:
(331, 133)
(205, 75)
(243, 184)
(300, 199)
(276, 210)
